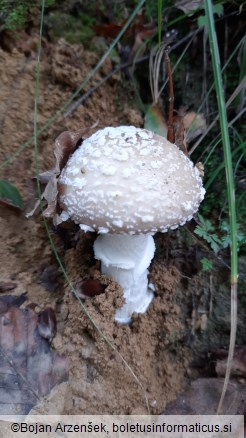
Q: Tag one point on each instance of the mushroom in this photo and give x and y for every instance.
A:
(127, 183)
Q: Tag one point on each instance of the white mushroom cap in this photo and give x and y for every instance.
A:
(129, 180)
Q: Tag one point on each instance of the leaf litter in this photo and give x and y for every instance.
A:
(29, 368)
(201, 397)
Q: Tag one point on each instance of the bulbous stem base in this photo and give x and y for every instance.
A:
(125, 258)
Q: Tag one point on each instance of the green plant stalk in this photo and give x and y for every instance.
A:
(35, 139)
(159, 21)
(242, 73)
(230, 186)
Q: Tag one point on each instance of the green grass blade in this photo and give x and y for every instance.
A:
(242, 95)
(230, 185)
(159, 21)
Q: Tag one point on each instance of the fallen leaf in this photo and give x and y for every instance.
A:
(154, 121)
(29, 369)
(6, 286)
(91, 288)
(194, 125)
(200, 168)
(111, 30)
(179, 133)
(7, 301)
(9, 195)
(139, 46)
(47, 323)
(188, 6)
(202, 396)
(65, 144)
(238, 368)
(49, 277)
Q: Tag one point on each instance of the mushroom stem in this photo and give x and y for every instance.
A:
(126, 258)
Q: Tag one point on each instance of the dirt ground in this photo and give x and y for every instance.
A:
(158, 348)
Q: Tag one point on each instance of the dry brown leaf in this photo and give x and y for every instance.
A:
(29, 369)
(200, 168)
(188, 6)
(6, 286)
(139, 46)
(111, 30)
(91, 288)
(47, 323)
(50, 195)
(179, 133)
(11, 300)
(238, 364)
(194, 125)
(202, 396)
(65, 144)
(50, 277)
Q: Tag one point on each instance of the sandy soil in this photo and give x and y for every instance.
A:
(156, 347)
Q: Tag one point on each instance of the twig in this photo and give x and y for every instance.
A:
(210, 296)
